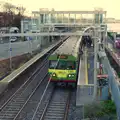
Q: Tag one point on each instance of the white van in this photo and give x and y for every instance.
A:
(13, 39)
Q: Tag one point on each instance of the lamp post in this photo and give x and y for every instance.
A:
(95, 65)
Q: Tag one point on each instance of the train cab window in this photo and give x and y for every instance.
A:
(52, 64)
(71, 65)
(66, 65)
(61, 65)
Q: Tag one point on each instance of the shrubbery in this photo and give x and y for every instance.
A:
(98, 110)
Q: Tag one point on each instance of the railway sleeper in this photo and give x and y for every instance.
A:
(56, 108)
(57, 104)
(55, 113)
(53, 117)
(9, 116)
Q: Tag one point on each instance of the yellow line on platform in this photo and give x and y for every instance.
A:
(90, 85)
(88, 65)
(86, 68)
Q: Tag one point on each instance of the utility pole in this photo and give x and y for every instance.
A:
(10, 46)
(95, 63)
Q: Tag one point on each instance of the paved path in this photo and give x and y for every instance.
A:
(18, 48)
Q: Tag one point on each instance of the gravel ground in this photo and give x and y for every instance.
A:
(28, 111)
(42, 103)
(58, 100)
(75, 113)
(57, 105)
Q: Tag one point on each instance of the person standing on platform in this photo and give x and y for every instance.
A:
(90, 41)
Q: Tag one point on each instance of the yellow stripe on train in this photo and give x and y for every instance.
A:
(62, 73)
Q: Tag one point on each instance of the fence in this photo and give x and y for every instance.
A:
(114, 88)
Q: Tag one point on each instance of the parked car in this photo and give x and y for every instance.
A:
(13, 39)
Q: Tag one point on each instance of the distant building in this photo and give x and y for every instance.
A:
(110, 19)
(26, 25)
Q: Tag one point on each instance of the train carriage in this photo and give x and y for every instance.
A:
(63, 63)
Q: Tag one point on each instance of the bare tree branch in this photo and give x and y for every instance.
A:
(11, 15)
(7, 7)
(21, 10)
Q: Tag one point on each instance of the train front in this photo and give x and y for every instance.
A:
(62, 68)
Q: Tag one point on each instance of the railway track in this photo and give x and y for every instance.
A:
(28, 111)
(14, 105)
(56, 108)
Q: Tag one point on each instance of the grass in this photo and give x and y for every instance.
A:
(16, 63)
(101, 109)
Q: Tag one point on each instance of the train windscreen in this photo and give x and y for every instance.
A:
(62, 65)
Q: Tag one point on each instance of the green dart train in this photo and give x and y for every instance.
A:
(64, 62)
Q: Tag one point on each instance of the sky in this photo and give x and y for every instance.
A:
(111, 6)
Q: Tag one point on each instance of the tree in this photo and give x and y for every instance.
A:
(21, 10)
(9, 12)
(9, 8)
(12, 15)
(17, 21)
(19, 16)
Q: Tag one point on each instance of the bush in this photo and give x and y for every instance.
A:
(100, 109)
(108, 107)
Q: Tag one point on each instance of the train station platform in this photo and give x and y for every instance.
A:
(85, 87)
(90, 62)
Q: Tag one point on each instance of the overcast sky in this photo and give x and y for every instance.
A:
(111, 6)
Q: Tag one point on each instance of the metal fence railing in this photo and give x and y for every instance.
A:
(113, 85)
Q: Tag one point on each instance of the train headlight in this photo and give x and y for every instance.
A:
(53, 74)
(71, 75)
